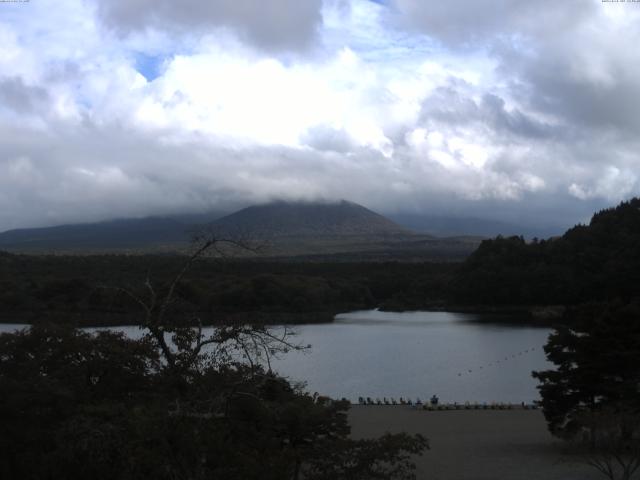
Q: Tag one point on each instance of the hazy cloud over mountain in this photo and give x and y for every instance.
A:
(509, 110)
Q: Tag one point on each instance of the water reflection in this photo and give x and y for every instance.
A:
(459, 357)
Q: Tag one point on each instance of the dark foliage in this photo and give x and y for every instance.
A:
(72, 289)
(600, 261)
(176, 404)
(74, 405)
(597, 370)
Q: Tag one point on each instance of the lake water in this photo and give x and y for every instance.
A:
(414, 354)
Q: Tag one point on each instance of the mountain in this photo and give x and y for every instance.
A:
(131, 233)
(284, 219)
(315, 231)
(444, 226)
(294, 221)
(340, 231)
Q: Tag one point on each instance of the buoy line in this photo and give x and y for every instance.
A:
(495, 363)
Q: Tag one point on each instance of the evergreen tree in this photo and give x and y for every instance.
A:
(597, 363)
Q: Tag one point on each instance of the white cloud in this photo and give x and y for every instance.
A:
(612, 184)
(387, 106)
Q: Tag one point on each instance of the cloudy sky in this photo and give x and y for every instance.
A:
(504, 109)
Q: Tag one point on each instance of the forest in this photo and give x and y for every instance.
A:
(82, 289)
(595, 262)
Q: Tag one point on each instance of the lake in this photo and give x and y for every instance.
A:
(459, 357)
(418, 354)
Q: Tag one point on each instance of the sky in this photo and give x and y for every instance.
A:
(515, 111)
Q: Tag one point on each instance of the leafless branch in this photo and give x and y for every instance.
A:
(189, 345)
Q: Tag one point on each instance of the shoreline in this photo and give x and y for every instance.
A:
(536, 316)
(124, 319)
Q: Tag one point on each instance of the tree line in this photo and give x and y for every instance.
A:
(78, 288)
(599, 261)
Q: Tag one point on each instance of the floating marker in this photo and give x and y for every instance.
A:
(496, 362)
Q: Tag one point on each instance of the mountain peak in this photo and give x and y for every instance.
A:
(287, 219)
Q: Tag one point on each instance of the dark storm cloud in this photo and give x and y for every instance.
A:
(568, 82)
(92, 172)
(453, 106)
(492, 111)
(21, 98)
(476, 24)
(592, 103)
(570, 59)
(269, 24)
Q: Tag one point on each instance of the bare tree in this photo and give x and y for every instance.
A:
(613, 441)
(183, 342)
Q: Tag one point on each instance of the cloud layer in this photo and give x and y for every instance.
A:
(494, 108)
(267, 24)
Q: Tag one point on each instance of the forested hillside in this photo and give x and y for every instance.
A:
(599, 261)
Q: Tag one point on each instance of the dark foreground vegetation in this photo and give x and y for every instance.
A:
(73, 405)
(175, 404)
(592, 396)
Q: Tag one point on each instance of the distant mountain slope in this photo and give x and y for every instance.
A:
(302, 230)
(452, 226)
(294, 221)
(282, 219)
(133, 233)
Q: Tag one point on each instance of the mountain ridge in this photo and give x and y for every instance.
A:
(117, 233)
(273, 220)
(289, 219)
(283, 229)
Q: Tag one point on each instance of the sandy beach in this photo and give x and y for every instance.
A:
(476, 444)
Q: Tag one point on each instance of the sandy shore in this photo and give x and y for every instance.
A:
(477, 444)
